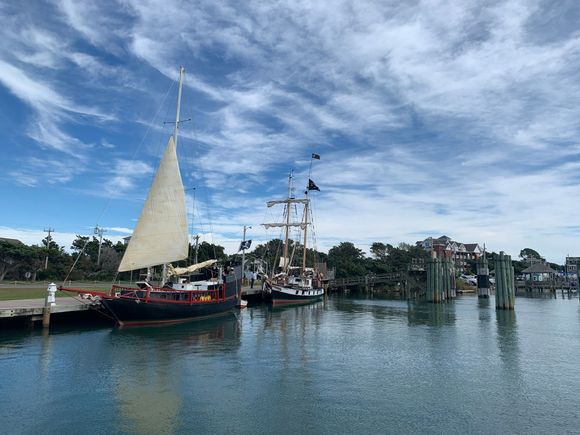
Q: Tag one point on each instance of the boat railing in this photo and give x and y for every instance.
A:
(160, 294)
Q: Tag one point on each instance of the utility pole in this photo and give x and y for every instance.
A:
(99, 231)
(196, 247)
(48, 240)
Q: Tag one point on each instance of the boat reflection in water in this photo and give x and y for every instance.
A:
(150, 383)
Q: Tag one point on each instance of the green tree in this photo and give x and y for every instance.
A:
(347, 259)
(529, 253)
(209, 251)
(379, 251)
(12, 256)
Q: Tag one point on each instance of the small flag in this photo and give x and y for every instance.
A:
(312, 186)
(245, 245)
(316, 156)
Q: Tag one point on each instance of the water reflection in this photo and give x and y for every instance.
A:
(558, 294)
(508, 344)
(45, 353)
(148, 383)
(484, 311)
(429, 314)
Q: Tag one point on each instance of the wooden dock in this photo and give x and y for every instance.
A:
(34, 308)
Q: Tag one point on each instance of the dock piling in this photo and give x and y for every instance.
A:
(505, 290)
(483, 278)
(49, 302)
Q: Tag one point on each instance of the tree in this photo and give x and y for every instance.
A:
(12, 256)
(109, 260)
(209, 251)
(347, 259)
(379, 251)
(529, 253)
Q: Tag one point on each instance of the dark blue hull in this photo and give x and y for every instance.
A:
(128, 312)
(133, 309)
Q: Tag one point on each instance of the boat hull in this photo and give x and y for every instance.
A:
(292, 296)
(128, 312)
(132, 308)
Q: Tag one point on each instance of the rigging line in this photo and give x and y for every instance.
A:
(196, 155)
(110, 199)
(76, 261)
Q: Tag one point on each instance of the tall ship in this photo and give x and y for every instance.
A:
(294, 284)
(161, 237)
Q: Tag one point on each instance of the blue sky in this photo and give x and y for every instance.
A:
(431, 117)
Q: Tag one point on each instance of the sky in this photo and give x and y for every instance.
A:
(431, 117)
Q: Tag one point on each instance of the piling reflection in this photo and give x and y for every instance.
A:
(45, 353)
(508, 344)
(429, 314)
(484, 311)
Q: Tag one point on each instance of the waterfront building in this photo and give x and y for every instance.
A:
(572, 265)
(445, 247)
(539, 271)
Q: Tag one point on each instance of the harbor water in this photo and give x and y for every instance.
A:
(344, 365)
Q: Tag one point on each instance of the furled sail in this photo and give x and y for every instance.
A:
(274, 225)
(287, 201)
(161, 232)
(177, 271)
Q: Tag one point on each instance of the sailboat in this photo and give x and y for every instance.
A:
(293, 284)
(161, 237)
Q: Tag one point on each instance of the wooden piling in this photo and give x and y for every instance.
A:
(436, 281)
(48, 302)
(46, 316)
(483, 278)
(505, 290)
(449, 279)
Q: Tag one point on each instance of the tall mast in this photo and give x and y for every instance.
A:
(305, 231)
(287, 223)
(176, 129)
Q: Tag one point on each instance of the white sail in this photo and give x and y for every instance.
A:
(287, 201)
(177, 271)
(277, 225)
(161, 232)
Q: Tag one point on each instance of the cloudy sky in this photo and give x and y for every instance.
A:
(431, 117)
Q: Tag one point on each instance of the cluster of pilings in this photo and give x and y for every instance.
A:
(441, 284)
(483, 287)
(505, 296)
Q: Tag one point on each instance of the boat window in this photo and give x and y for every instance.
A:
(296, 291)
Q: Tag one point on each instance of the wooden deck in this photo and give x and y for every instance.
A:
(34, 307)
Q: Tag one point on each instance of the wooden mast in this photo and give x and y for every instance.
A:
(175, 131)
(286, 265)
(305, 239)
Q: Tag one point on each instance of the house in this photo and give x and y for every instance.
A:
(445, 247)
(539, 272)
(572, 265)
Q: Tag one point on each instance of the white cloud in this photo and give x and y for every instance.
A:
(458, 118)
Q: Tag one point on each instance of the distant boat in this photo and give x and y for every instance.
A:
(293, 284)
(160, 237)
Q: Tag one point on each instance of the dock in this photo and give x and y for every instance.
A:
(33, 309)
